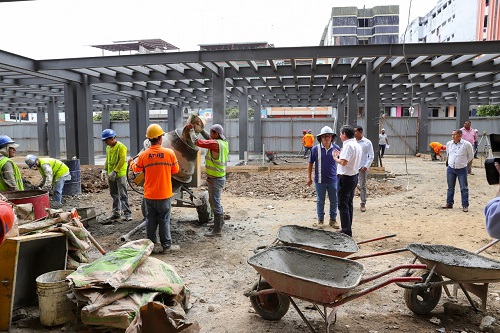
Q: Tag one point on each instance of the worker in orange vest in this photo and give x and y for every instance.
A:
(308, 142)
(436, 148)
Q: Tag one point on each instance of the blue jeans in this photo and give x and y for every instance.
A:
(118, 191)
(451, 177)
(382, 150)
(307, 150)
(347, 186)
(321, 190)
(158, 217)
(215, 186)
(58, 187)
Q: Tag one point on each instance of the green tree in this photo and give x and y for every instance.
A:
(233, 113)
(488, 110)
(113, 116)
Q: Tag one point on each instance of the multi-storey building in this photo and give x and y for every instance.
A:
(456, 21)
(354, 26)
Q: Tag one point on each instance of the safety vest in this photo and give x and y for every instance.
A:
(17, 175)
(217, 167)
(59, 169)
(113, 158)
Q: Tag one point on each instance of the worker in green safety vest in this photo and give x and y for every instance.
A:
(10, 178)
(115, 169)
(54, 174)
(215, 168)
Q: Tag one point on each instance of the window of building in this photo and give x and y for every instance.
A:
(362, 23)
(362, 41)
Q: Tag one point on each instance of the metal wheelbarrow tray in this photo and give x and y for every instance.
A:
(317, 240)
(321, 279)
(471, 271)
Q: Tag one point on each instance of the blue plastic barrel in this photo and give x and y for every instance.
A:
(73, 186)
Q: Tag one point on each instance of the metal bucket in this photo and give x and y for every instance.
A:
(39, 199)
(186, 155)
(74, 185)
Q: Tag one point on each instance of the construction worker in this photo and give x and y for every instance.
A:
(54, 174)
(436, 148)
(115, 169)
(307, 142)
(158, 164)
(10, 179)
(215, 168)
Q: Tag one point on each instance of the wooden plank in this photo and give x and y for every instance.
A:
(9, 252)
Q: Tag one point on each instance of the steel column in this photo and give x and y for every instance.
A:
(423, 127)
(43, 148)
(219, 98)
(170, 119)
(105, 123)
(53, 129)
(463, 103)
(133, 111)
(70, 119)
(372, 106)
(257, 136)
(341, 115)
(142, 122)
(85, 139)
(179, 123)
(352, 106)
(243, 124)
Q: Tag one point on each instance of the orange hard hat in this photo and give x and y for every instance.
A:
(7, 219)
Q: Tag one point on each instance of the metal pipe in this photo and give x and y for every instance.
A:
(126, 237)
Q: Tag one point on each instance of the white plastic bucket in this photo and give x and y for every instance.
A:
(55, 306)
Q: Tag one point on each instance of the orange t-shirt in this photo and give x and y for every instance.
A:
(158, 164)
(308, 140)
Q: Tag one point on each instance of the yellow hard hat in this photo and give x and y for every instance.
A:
(154, 131)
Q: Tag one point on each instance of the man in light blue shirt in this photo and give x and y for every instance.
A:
(366, 162)
(460, 153)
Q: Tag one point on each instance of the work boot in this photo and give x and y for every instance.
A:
(218, 223)
(363, 207)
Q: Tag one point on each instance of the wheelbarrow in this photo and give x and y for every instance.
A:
(327, 281)
(448, 265)
(318, 240)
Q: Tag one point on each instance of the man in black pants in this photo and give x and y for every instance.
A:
(348, 160)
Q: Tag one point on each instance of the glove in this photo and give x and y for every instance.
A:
(112, 176)
(103, 175)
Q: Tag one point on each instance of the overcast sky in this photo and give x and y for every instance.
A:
(48, 29)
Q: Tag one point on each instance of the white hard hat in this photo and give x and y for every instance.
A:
(325, 130)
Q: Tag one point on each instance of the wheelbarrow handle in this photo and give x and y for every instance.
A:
(375, 239)
(378, 254)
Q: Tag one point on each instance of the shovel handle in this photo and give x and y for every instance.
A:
(375, 239)
(490, 244)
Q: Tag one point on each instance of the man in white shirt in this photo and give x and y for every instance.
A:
(460, 153)
(366, 162)
(348, 163)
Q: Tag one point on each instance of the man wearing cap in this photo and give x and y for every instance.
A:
(382, 141)
(158, 164)
(10, 178)
(115, 168)
(307, 142)
(215, 168)
(54, 174)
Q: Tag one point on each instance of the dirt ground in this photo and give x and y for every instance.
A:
(406, 201)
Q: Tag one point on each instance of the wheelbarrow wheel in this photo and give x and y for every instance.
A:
(423, 300)
(269, 306)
